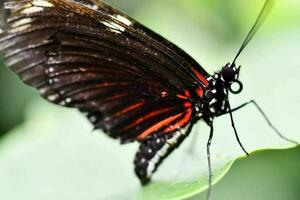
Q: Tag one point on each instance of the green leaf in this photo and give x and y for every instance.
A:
(51, 156)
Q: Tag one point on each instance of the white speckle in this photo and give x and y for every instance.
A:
(213, 110)
(93, 118)
(213, 101)
(68, 100)
(53, 97)
(214, 91)
(43, 90)
(31, 10)
(42, 3)
(1, 31)
(199, 114)
(209, 78)
(95, 7)
(51, 69)
(62, 103)
(222, 78)
(21, 22)
(123, 20)
(216, 76)
(223, 105)
(174, 139)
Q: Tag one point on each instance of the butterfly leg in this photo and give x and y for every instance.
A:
(234, 129)
(209, 161)
(271, 125)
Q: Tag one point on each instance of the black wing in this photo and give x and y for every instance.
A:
(131, 82)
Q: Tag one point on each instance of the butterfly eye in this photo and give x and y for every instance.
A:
(228, 74)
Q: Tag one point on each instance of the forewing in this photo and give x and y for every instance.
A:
(130, 81)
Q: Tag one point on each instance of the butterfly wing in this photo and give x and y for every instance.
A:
(129, 81)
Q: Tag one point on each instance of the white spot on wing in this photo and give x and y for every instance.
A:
(42, 3)
(31, 10)
(68, 100)
(114, 27)
(21, 22)
(93, 119)
(124, 20)
(53, 97)
(36, 6)
(19, 29)
(51, 69)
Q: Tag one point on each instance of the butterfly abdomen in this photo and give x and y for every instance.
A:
(154, 149)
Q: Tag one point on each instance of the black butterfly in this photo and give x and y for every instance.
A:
(130, 82)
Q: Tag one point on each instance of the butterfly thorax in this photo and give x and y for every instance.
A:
(215, 99)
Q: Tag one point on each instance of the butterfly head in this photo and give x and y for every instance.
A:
(230, 76)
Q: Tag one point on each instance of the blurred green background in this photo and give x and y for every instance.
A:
(211, 31)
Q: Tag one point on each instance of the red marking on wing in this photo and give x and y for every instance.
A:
(146, 117)
(187, 104)
(117, 96)
(129, 108)
(199, 91)
(158, 126)
(185, 96)
(181, 96)
(187, 93)
(180, 123)
(200, 77)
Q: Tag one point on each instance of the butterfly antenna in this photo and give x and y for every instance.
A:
(260, 19)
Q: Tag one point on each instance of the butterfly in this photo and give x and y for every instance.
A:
(130, 82)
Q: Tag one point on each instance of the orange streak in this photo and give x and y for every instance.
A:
(181, 96)
(157, 126)
(181, 123)
(185, 96)
(199, 92)
(200, 77)
(187, 104)
(187, 93)
(148, 116)
(129, 108)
